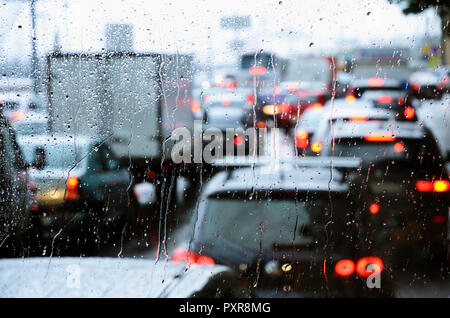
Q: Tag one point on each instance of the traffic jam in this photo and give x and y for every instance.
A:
(225, 169)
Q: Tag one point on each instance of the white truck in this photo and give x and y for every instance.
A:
(133, 100)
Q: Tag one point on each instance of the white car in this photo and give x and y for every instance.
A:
(27, 112)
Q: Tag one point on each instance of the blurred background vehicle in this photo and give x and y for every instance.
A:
(80, 187)
(424, 85)
(16, 200)
(289, 241)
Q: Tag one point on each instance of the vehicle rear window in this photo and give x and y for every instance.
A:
(256, 224)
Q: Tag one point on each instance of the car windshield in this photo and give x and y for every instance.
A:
(256, 224)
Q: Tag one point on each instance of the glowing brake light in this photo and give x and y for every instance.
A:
(72, 183)
(344, 267)
(374, 208)
(257, 70)
(195, 107)
(375, 81)
(363, 263)
(350, 99)
(302, 139)
(271, 110)
(191, 258)
(18, 115)
(409, 112)
(424, 186)
(441, 185)
(316, 147)
(380, 137)
(384, 99)
(250, 99)
(398, 147)
(315, 106)
(436, 186)
(358, 119)
(238, 140)
(226, 102)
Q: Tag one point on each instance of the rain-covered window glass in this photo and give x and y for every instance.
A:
(240, 148)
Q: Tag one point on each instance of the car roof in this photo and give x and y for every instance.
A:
(386, 83)
(278, 177)
(361, 108)
(407, 130)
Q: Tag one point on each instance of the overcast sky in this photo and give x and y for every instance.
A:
(184, 26)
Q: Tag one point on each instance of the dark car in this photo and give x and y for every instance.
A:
(359, 86)
(397, 101)
(81, 186)
(406, 187)
(16, 197)
(425, 85)
(276, 225)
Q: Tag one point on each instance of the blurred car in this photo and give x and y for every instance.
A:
(359, 86)
(424, 85)
(307, 125)
(443, 74)
(275, 225)
(397, 101)
(407, 187)
(26, 111)
(435, 114)
(341, 111)
(79, 182)
(16, 199)
(229, 110)
(114, 277)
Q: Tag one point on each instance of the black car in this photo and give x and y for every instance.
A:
(406, 187)
(359, 86)
(16, 199)
(277, 226)
(81, 188)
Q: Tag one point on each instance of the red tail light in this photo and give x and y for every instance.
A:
(315, 106)
(401, 100)
(191, 258)
(374, 208)
(350, 99)
(316, 147)
(415, 86)
(344, 267)
(18, 115)
(195, 107)
(151, 174)
(398, 147)
(238, 140)
(72, 183)
(250, 99)
(375, 81)
(409, 112)
(226, 102)
(358, 119)
(436, 186)
(363, 263)
(380, 137)
(302, 139)
(257, 70)
(384, 99)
